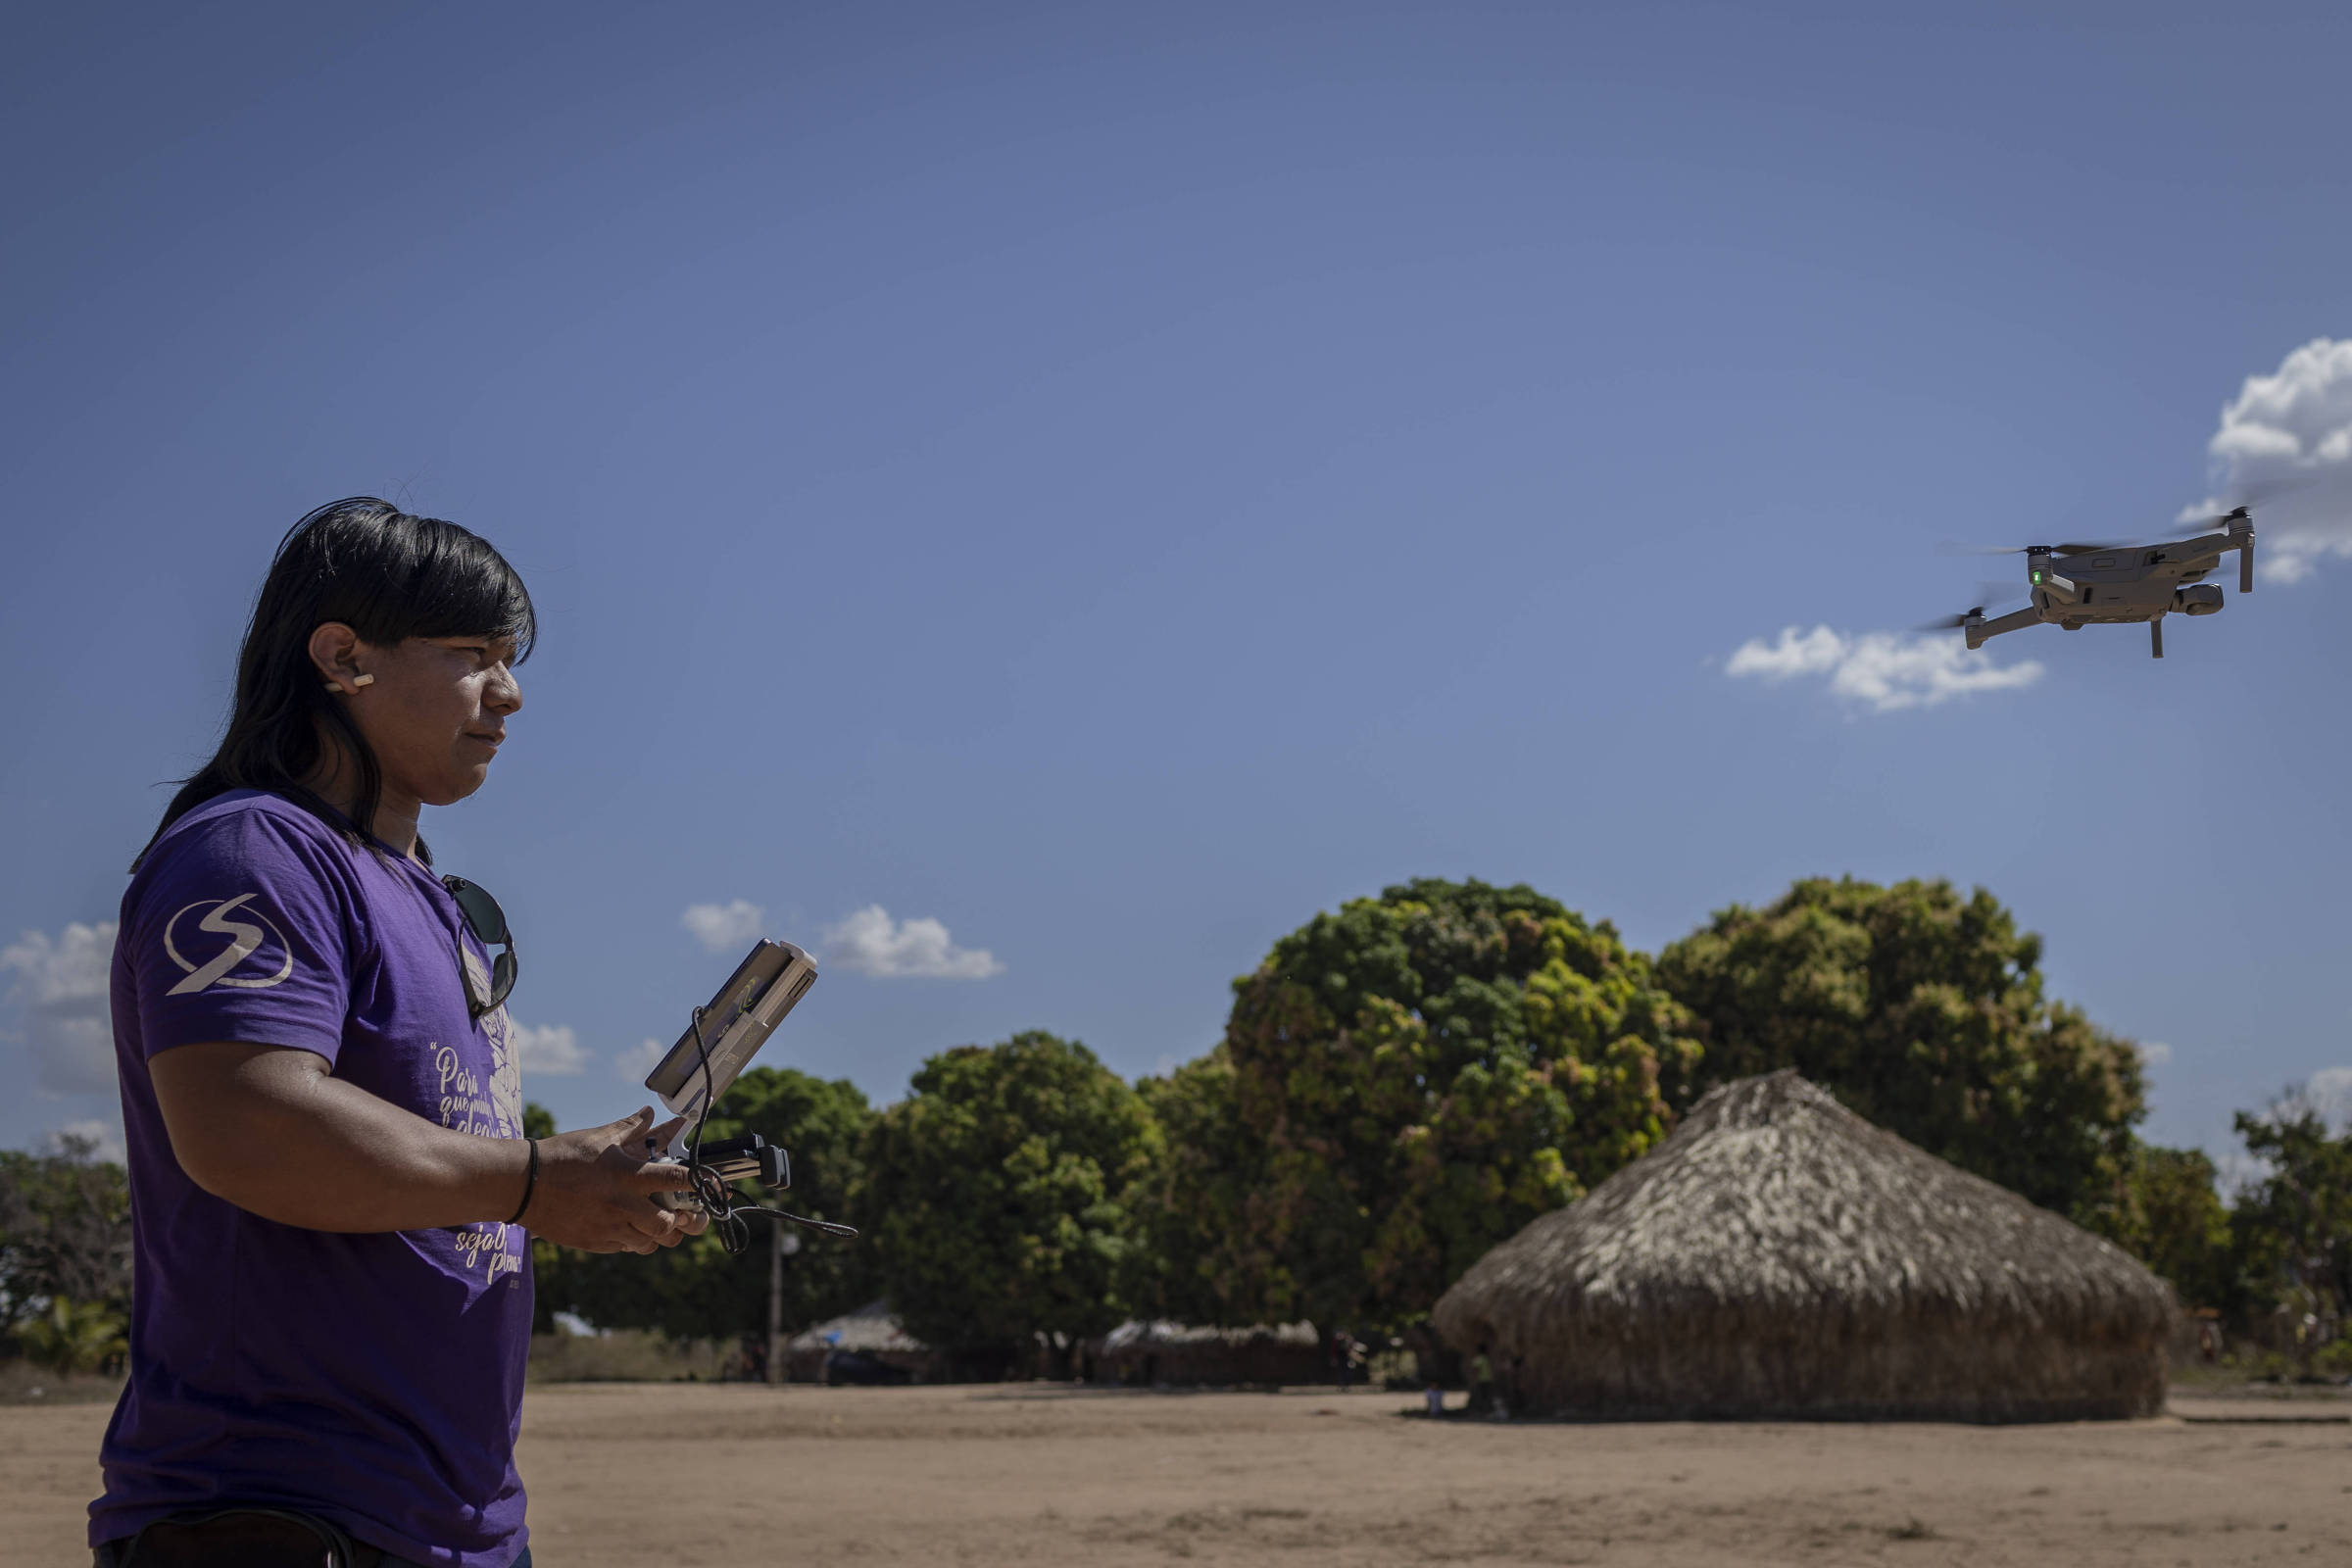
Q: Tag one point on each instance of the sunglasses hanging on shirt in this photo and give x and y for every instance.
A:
(488, 923)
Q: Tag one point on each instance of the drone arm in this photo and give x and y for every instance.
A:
(2014, 620)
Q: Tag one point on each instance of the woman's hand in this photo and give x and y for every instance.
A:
(598, 1191)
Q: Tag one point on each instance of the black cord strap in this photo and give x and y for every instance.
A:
(530, 1183)
(719, 1200)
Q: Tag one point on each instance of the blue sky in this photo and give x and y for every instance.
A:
(1104, 483)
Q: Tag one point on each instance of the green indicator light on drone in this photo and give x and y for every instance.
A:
(2038, 576)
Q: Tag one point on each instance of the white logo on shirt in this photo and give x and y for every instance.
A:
(245, 939)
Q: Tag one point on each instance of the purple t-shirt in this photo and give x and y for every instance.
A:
(375, 1380)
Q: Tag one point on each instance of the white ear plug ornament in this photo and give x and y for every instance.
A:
(357, 681)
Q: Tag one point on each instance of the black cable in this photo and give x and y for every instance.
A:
(712, 1192)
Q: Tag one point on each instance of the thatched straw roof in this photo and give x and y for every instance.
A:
(1186, 1353)
(870, 1330)
(1159, 1334)
(1778, 1256)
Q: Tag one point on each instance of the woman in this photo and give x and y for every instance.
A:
(331, 1193)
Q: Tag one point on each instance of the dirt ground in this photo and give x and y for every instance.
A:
(1046, 1477)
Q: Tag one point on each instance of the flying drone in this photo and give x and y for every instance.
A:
(2077, 585)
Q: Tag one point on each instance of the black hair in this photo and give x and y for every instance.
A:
(388, 576)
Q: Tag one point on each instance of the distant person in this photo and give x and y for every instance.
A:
(1481, 1382)
(331, 1192)
(1347, 1354)
(1434, 1397)
(1512, 1392)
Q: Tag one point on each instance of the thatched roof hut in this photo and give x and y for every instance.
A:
(1778, 1256)
(871, 1330)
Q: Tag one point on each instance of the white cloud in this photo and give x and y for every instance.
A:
(2327, 1092)
(1879, 669)
(61, 983)
(2330, 1089)
(2291, 428)
(638, 1060)
(103, 1139)
(2155, 1052)
(723, 927)
(554, 1049)
(2235, 1170)
(869, 942)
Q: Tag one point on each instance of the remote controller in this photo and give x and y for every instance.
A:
(735, 1159)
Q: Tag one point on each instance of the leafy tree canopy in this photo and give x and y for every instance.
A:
(998, 1202)
(2168, 1213)
(1401, 1084)
(1191, 1264)
(696, 1289)
(1923, 1012)
(64, 1232)
(75, 1336)
(2295, 1225)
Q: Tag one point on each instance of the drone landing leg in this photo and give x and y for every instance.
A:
(2156, 638)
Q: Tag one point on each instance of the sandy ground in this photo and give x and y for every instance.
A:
(627, 1475)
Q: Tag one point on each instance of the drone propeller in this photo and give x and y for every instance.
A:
(1994, 594)
(2074, 547)
(2262, 492)
(2238, 499)
(2244, 498)
(2238, 503)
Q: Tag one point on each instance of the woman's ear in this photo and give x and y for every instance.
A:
(335, 652)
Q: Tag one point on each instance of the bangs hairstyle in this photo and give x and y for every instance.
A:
(388, 576)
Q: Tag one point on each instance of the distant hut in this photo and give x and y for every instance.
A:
(870, 1333)
(1779, 1257)
(1178, 1353)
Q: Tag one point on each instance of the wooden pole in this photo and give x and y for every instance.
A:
(776, 1303)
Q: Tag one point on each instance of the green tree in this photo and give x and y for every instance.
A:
(697, 1289)
(1401, 1084)
(1183, 1266)
(2167, 1212)
(998, 1197)
(1923, 1012)
(65, 1232)
(74, 1335)
(2293, 1226)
